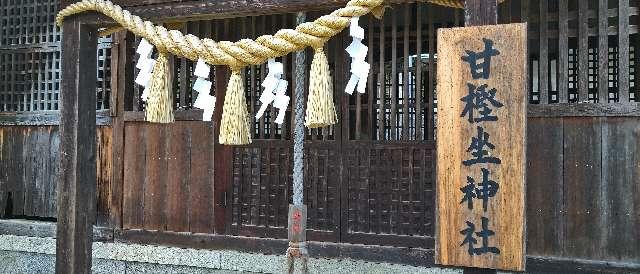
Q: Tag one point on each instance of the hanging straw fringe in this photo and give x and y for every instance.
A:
(234, 127)
(159, 108)
(320, 109)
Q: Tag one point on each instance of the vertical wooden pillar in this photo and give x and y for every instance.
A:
(122, 79)
(223, 161)
(77, 176)
(478, 13)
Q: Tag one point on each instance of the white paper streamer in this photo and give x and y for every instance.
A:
(207, 103)
(202, 69)
(145, 64)
(202, 86)
(281, 101)
(144, 48)
(359, 67)
(273, 83)
(204, 101)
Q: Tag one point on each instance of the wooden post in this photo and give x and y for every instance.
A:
(478, 13)
(223, 164)
(77, 176)
(122, 79)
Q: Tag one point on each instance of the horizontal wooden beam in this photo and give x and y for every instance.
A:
(182, 115)
(180, 11)
(41, 229)
(44, 118)
(584, 110)
(52, 118)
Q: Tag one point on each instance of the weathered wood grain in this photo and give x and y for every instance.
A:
(104, 145)
(584, 110)
(506, 209)
(603, 46)
(563, 51)
(583, 55)
(584, 189)
(178, 177)
(44, 118)
(76, 186)
(134, 166)
(545, 193)
(621, 177)
(201, 178)
(155, 176)
(480, 12)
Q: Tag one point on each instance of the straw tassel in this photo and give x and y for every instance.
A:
(159, 108)
(321, 111)
(234, 127)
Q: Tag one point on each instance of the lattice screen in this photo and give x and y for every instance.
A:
(30, 57)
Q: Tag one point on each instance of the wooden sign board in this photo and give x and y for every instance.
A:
(482, 103)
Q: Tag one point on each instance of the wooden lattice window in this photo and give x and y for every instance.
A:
(30, 56)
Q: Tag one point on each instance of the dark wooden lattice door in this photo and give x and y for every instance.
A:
(370, 178)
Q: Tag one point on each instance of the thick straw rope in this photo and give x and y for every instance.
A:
(246, 51)
(239, 54)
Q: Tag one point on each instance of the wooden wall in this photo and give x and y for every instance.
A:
(168, 177)
(583, 194)
(28, 166)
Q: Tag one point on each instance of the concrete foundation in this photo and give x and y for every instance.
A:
(20, 254)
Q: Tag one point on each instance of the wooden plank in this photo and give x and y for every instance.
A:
(273, 113)
(184, 115)
(480, 12)
(418, 87)
(28, 180)
(382, 82)
(178, 177)
(4, 167)
(15, 173)
(430, 93)
(104, 171)
(154, 177)
(583, 54)
(583, 185)
(495, 153)
(54, 150)
(47, 173)
(580, 110)
(372, 84)
(201, 178)
(623, 50)
(603, 52)
(223, 172)
(394, 76)
(544, 53)
(405, 72)
(122, 96)
(620, 155)
(195, 10)
(134, 172)
(185, 82)
(77, 179)
(636, 44)
(545, 195)
(44, 118)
